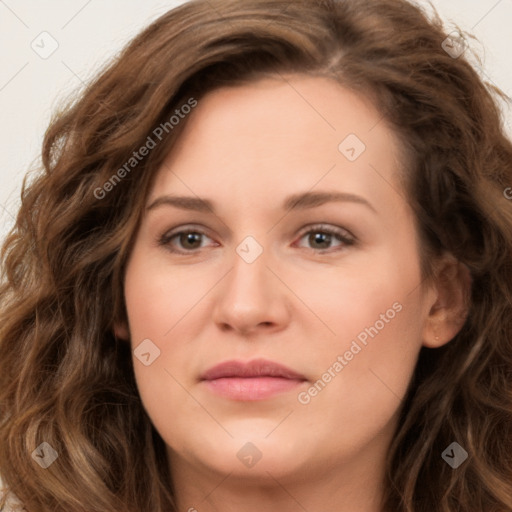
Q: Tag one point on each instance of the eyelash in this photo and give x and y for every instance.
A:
(341, 234)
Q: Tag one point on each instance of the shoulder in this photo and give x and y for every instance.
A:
(12, 503)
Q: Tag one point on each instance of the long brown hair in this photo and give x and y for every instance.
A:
(67, 381)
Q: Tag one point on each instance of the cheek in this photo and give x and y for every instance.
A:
(372, 298)
(361, 379)
(376, 319)
(372, 363)
(157, 299)
(157, 313)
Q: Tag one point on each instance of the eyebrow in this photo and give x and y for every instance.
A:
(300, 201)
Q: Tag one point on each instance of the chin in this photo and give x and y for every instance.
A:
(251, 453)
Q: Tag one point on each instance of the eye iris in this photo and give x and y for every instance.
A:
(190, 237)
(318, 237)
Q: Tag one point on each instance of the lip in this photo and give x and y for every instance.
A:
(253, 380)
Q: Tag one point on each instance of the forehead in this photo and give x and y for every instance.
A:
(278, 136)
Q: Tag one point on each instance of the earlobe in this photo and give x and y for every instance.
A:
(449, 312)
(121, 330)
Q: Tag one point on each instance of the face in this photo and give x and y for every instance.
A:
(272, 274)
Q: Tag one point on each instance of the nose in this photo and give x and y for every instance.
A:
(251, 298)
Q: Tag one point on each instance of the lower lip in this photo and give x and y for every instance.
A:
(251, 388)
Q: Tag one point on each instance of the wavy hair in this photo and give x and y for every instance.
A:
(64, 377)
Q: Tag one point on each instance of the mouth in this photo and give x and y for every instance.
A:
(254, 380)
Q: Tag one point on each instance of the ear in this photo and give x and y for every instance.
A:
(121, 330)
(451, 302)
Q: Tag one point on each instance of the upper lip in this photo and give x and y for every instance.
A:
(254, 368)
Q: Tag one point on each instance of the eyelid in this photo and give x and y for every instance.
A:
(342, 232)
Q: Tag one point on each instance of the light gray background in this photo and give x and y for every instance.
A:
(89, 32)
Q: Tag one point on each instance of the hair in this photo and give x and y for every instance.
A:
(65, 379)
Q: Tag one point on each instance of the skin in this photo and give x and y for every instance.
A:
(301, 303)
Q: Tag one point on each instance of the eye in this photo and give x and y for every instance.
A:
(321, 237)
(189, 240)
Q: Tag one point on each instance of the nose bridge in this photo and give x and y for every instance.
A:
(250, 294)
(249, 275)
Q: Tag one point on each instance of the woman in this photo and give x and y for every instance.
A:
(257, 370)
